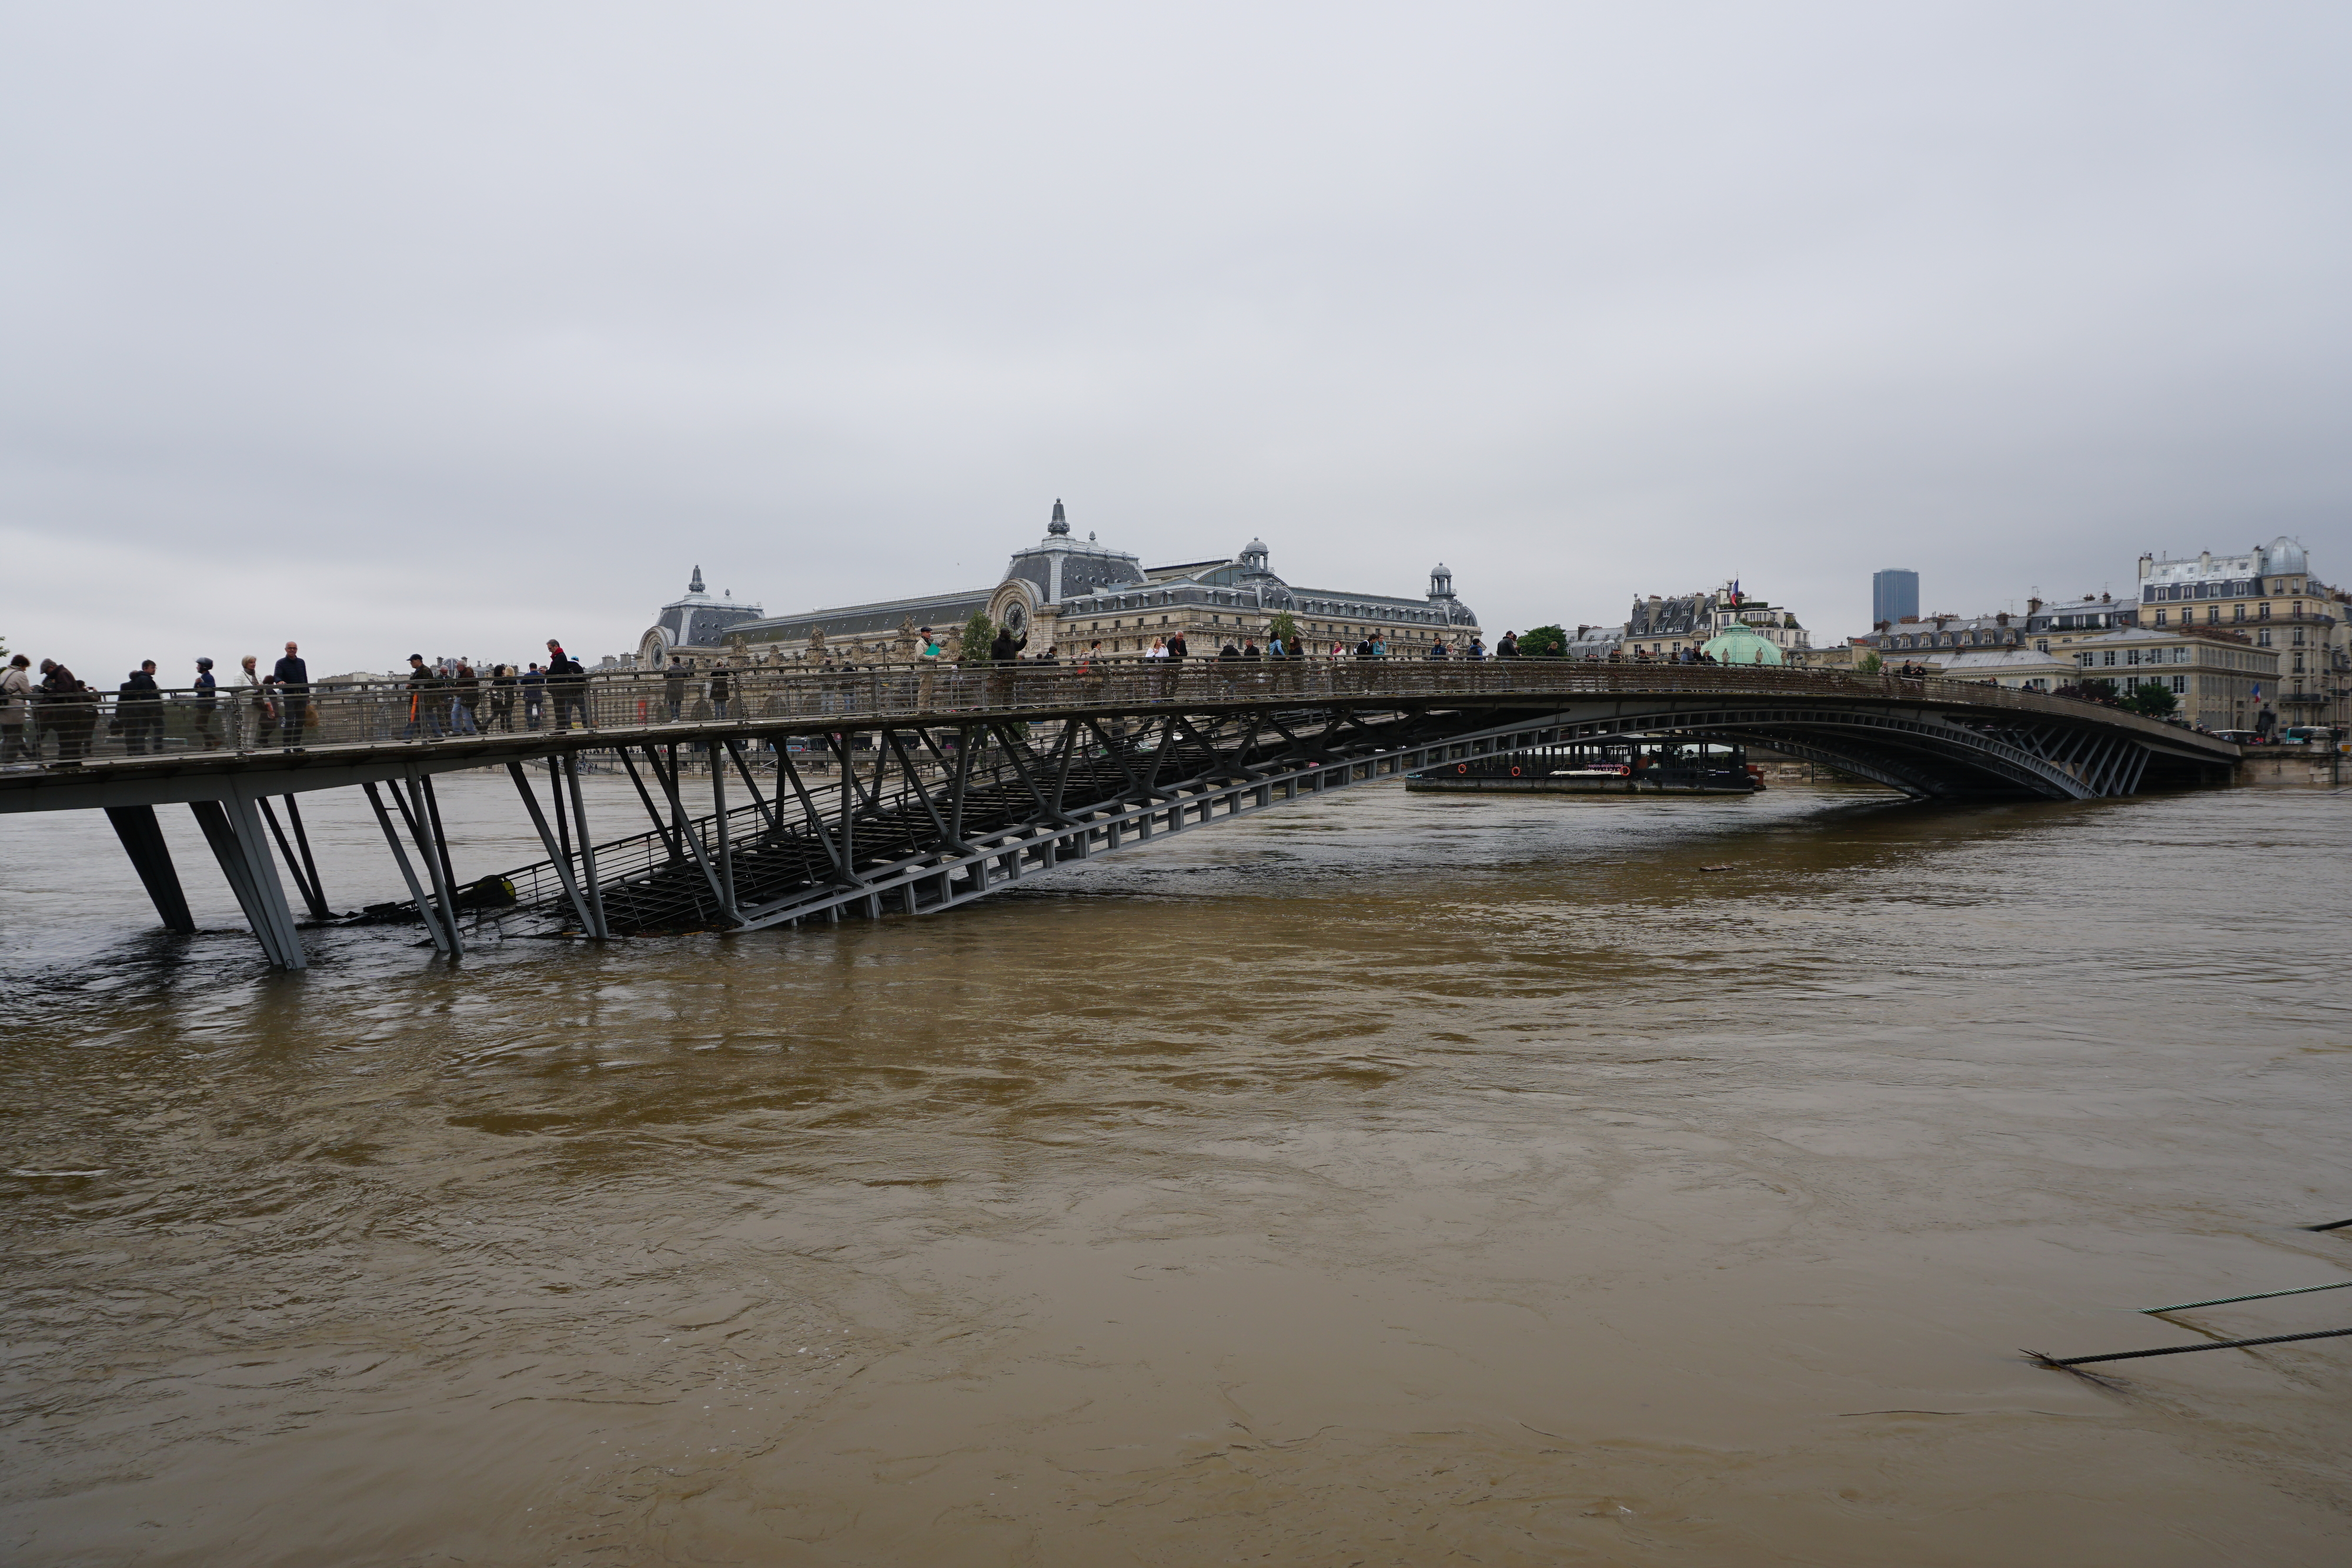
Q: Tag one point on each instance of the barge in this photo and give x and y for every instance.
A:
(1613, 769)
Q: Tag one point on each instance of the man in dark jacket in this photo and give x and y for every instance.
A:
(207, 706)
(1509, 648)
(69, 709)
(1174, 662)
(424, 718)
(567, 683)
(291, 677)
(138, 711)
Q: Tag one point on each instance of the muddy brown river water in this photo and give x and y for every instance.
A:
(1391, 1179)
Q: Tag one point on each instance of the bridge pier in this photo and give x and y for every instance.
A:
(233, 828)
(599, 927)
(150, 857)
(444, 941)
(304, 868)
(557, 858)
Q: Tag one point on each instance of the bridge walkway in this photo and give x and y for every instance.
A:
(976, 778)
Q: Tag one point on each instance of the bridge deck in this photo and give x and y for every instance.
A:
(176, 750)
(975, 777)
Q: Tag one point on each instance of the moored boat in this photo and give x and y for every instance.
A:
(1611, 768)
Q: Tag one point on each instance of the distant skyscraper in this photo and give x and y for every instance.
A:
(1893, 593)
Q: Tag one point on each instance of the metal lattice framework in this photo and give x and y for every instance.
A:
(911, 791)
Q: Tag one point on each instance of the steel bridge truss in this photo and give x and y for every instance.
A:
(940, 788)
(924, 817)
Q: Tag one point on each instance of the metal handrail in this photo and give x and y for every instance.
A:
(338, 717)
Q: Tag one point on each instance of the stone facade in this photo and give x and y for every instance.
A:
(2269, 595)
(2222, 680)
(1066, 593)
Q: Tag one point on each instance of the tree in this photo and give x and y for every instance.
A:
(2098, 689)
(2152, 701)
(979, 633)
(1869, 664)
(1543, 643)
(1285, 630)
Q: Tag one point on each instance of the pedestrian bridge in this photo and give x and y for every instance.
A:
(898, 790)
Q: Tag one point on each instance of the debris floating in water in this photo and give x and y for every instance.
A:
(2257, 1296)
(2184, 1349)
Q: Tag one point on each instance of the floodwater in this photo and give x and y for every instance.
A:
(1387, 1179)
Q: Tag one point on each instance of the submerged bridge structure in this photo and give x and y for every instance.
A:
(902, 789)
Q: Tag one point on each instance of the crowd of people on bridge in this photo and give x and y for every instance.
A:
(53, 715)
(452, 696)
(50, 714)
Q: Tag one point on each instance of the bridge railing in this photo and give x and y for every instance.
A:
(111, 727)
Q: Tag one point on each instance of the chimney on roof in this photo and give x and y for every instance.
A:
(2033, 605)
(2146, 562)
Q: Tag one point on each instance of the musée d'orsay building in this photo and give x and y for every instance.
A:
(1069, 592)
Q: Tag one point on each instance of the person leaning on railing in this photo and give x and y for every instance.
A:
(69, 708)
(16, 708)
(503, 698)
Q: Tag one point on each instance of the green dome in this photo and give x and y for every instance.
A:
(1740, 644)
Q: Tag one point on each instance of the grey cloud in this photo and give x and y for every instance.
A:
(450, 326)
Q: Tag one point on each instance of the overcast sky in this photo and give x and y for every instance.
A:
(447, 328)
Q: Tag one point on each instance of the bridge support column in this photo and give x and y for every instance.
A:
(425, 829)
(233, 828)
(560, 860)
(599, 927)
(425, 906)
(725, 883)
(143, 841)
(304, 868)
